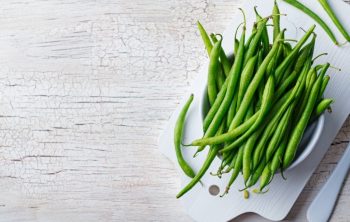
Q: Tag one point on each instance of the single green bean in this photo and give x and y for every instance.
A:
(322, 106)
(178, 137)
(247, 153)
(265, 177)
(315, 17)
(334, 18)
(212, 72)
(226, 65)
(205, 37)
(276, 20)
(324, 85)
(232, 110)
(220, 80)
(215, 107)
(246, 77)
(213, 151)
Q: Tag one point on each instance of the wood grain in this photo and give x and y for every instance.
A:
(86, 89)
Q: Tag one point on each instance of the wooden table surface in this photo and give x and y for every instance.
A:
(86, 89)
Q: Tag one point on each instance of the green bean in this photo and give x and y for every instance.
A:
(220, 80)
(223, 58)
(264, 36)
(205, 37)
(278, 157)
(299, 129)
(232, 110)
(276, 20)
(178, 137)
(212, 71)
(251, 37)
(278, 134)
(232, 164)
(253, 87)
(233, 79)
(213, 151)
(284, 65)
(315, 17)
(215, 107)
(247, 152)
(324, 85)
(237, 168)
(322, 106)
(253, 46)
(265, 177)
(334, 18)
(257, 173)
(227, 136)
(236, 43)
(246, 76)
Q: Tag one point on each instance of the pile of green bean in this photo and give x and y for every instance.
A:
(261, 102)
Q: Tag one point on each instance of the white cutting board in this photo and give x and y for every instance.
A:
(276, 203)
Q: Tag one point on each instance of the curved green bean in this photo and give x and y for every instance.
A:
(334, 18)
(315, 17)
(178, 136)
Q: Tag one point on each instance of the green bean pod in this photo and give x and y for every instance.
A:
(315, 17)
(246, 77)
(277, 159)
(235, 173)
(276, 20)
(324, 85)
(334, 18)
(226, 65)
(220, 80)
(205, 37)
(212, 72)
(232, 110)
(247, 153)
(178, 137)
(215, 107)
(265, 177)
(322, 106)
(213, 151)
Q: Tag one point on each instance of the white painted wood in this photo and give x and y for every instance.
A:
(86, 89)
